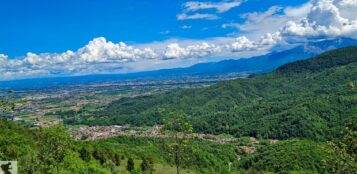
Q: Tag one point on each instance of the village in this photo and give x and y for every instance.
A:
(103, 132)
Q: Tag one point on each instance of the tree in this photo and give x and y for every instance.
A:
(352, 86)
(345, 160)
(86, 153)
(130, 165)
(99, 155)
(136, 171)
(147, 165)
(117, 159)
(179, 149)
(55, 144)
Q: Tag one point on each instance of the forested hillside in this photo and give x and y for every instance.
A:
(306, 99)
(52, 150)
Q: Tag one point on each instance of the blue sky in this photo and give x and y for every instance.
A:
(55, 26)
(36, 34)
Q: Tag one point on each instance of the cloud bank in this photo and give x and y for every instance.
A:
(102, 56)
(314, 19)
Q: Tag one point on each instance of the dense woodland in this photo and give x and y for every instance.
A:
(52, 150)
(310, 99)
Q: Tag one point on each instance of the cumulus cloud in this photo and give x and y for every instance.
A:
(266, 42)
(326, 18)
(185, 16)
(242, 43)
(101, 51)
(271, 39)
(174, 50)
(316, 18)
(220, 7)
(96, 56)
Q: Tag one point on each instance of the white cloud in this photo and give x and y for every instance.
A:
(194, 6)
(242, 43)
(96, 56)
(235, 25)
(101, 51)
(260, 17)
(270, 39)
(101, 56)
(220, 7)
(266, 42)
(185, 16)
(316, 18)
(329, 18)
(269, 21)
(298, 12)
(174, 50)
(263, 21)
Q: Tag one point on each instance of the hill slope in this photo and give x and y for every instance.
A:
(306, 99)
